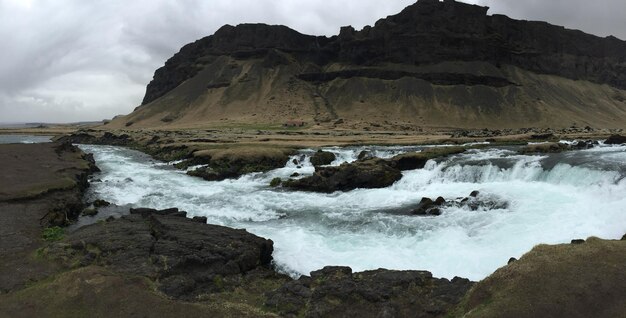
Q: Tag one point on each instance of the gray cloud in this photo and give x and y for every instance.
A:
(70, 60)
(601, 17)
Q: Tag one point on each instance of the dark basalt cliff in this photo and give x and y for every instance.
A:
(427, 32)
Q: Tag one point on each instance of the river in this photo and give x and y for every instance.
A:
(549, 199)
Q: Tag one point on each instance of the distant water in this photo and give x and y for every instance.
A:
(552, 198)
(24, 139)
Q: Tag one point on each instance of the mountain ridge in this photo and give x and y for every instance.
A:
(446, 45)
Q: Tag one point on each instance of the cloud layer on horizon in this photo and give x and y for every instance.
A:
(72, 60)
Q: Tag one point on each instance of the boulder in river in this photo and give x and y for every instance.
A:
(364, 155)
(322, 158)
(428, 207)
(417, 160)
(220, 164)
(99, 203)
(616, 140)
(374, 173)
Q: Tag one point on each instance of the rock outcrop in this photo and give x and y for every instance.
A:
(187, 258)
(337, 292)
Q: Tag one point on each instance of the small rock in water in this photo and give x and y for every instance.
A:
(90, 211)
(363, 155)
(440, 201)
(578, 241)
(427, 207)
(100, 203)
(295, 174)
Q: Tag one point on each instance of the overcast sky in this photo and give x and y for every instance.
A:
(74, 60)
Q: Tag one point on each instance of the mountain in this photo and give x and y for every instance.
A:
(435, 64)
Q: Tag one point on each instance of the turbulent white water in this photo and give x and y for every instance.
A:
(552, 199)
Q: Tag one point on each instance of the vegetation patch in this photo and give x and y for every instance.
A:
(52, 234)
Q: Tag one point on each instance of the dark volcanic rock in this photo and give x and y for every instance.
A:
(427, 32)
(374, 173)
(428, 207)
(474, 202)
(186, 257)
(585, 144)
(364, 155)
(147, 212)
(107, 138)
(417, 160)
(210, 174)
(616, 140)
(548, 147)
(217, 169)
(100, 203)
(368, 173)
(337, 292)
(322, 158)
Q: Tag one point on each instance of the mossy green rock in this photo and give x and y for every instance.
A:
(275, 182)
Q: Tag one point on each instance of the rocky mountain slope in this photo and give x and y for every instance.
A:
(435, 64)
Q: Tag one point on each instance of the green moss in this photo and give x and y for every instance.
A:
(275, 182)
(218, 282)
(41, 252)
(53, 234)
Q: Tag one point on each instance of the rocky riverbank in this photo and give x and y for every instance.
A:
(163, 264)
(41, 187)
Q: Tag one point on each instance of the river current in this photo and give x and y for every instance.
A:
(550, 199)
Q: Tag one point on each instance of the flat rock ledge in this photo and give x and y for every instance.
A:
(185, 257)
(337, 292)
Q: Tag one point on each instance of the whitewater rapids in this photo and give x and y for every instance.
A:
(551, 199)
